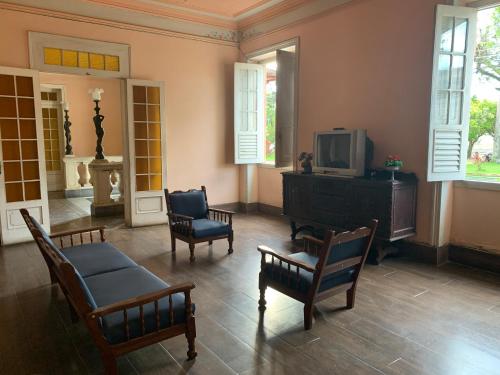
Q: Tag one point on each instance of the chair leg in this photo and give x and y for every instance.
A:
(172, 241)
(308, 316)
(191, 252)
(351, 297)
(210, 243)
(109, 363)
(190, 336)
(230, 240)
(53, 278)
(262, 299)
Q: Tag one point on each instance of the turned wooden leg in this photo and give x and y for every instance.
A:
(308, 316)
(262, 299)
(53, 278)
(191, 252)
(190, 336)
(172, 241)
(109, 363)
(351, 296)
(230, 240)
(210, 243)
(293, 227)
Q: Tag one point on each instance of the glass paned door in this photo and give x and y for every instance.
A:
(22, 178)
(146, 153)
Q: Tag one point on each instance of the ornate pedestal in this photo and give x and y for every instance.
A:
(103, 175)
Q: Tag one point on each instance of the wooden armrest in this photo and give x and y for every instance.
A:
(180, 217)
(141, 300)
(313, 240)
(222, 211)
(77, 231)
(267, 250)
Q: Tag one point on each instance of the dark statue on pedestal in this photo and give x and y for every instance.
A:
(67, 133)
(98, 119)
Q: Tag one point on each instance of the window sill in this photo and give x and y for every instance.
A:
(478, 185)
(272, 166)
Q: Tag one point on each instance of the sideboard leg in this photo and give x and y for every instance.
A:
(293, 226)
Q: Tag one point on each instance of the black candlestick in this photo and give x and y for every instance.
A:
(99, 131)
(67, 133)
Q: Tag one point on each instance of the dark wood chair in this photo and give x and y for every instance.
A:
(192, 221)
(323, 269)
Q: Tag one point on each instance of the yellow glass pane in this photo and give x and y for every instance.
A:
(29, 150)
(141, 131)
(56, 154)
(45, 113)
(154, 131)
(155, 182)
(30, 170)
(28, 129)
(47, 144)
(139, 112)
(155, 165)
(44, 95)
(26, 108)
(83, 59)
(24, 86)
(155, 148)
(53, 112)
(8, 107)
(8, 129)
(52, 96)
(96, 61)
(70, 58)
(141, 166)
(48, 165)
(56, 165)
(142, 183)
(54, 144)
(139, 94)
(52, 56)
(48, 155)
(14, 192)
(112, 63)
(141, 148)
(10, 150)
(46, 123)
(12, 171)
(153, 95)
(53, 124)
(32, 190)
(7, 85)
(154, 113)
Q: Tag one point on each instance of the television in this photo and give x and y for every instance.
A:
(340, 151)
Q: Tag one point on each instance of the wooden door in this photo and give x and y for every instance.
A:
(145, 156)
(23, 181)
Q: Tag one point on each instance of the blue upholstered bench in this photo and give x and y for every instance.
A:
(125, 306)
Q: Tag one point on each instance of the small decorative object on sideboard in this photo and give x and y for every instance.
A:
(393, 164)
(67, 130)
(306, 158)
(98, 119)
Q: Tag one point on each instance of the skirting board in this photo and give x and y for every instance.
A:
(474, 258)
(247, 208)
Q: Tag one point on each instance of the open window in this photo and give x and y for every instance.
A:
(265, 108)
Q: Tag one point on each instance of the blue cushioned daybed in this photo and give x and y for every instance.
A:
(124, 306)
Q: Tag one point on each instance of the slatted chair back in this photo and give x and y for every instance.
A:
(342, 258)
(193, 202)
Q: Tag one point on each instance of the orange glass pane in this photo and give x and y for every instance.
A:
(46, 123)
(54, 144)
(83, 59)
(70, 58)
(28, 129)
(154, 113)
(48, 155)
(47, 144)
(53, 124)
(56, 165)
(155, 148)
(139, 94)
(30, 170)
(142, 183)
(56, 154)
(141, 148)
(10, 150)
(155, 183)
(7, 85)
(44, 95)
(24, 86)
(141, 131)
(153, 95)
(32, 190)
(154, 131)
(52, 56)
(53, 112)
(8, 107)
(26, 107)
(139, 112)
(29, 150)
(141, 166)
(45, 112)
(14, 192)
(96, 61)
(12, 170)
(155, 165)
(8, 129)
(112, 63)
(48, 165)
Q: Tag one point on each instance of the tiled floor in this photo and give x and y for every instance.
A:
(409, 318)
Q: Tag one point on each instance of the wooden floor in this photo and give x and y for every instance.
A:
(409, 318)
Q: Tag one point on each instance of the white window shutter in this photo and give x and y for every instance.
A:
(454, 44)
(248, 113)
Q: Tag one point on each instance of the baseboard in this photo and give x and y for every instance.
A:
(423, 252)
(270, 210)
(248, 208)
(79, 193)
(234, 207)
(475, 258)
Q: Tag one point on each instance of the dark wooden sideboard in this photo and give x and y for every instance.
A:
(329, 201)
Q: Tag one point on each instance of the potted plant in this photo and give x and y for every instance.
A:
(393, 164)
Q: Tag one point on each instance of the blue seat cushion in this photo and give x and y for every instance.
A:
(191, 203)
(209, 228)
(95, 258)
(303, 283)
(127, 283)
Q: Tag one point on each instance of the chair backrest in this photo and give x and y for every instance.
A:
(191, 203)
(343, 255)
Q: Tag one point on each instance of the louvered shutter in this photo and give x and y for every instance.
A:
(450, 98)
(248, 113)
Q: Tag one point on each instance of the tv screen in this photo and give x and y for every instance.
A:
(334, 151)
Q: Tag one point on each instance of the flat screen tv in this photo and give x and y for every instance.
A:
(340, 151)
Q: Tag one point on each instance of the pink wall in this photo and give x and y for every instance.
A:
(198, 80)
(82, 110)
(366, 64)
